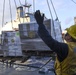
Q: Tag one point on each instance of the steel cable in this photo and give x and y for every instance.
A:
(17, 11)
(3, 22)
(57, 19)
(73, 1)
(52, 21)
(3, 13)
(33, 5)
(10, 13)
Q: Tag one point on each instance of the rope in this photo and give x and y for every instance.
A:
(3, 21)
(59, 23)
(10, 13)
(20, 2)
(36, 68)
(52, 22)
(3, 13)
(17, 11)
(54, 9)
(25, 11)
(49, 9)
(56, 15)
(33, 5)
(73, 1)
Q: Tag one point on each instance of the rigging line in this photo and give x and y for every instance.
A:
(54, 9)
(25, 1)
(73, 1)
(2, 36)
(17, 11)
(10, 13)
(22, 12)
(24, 17)
(20, 2)
(52, 22)
(3, 13)
(33, 14)
(25, 11)
(3, 22)
(33, 5)
(56, 15)
(49, 9)
(45, 63)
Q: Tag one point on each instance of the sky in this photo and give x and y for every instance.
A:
(65, 10)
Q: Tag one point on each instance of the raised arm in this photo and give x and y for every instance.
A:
(60, 48)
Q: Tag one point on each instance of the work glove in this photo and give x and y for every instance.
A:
(39, 18)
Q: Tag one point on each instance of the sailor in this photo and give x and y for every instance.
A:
(65, 63)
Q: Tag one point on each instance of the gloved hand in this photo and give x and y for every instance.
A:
(39, 18)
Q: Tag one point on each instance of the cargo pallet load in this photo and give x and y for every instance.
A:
(31, 43)
(26, 40)
(20, 40)
(20, 44)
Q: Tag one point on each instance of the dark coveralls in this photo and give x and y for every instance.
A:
(61, 49)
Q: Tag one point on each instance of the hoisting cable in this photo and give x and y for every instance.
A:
(33, 15)
(52, 22)
(57, 19)
(33, 5)
(10, 13)
(25, 17)
(2, 36)
(20, 2)
(17, 11)
(49, 9)
(22, 12)
(3, 21)
(55, 36)
(58, 22)
(25, 2)
(25, 11)
(3, 13)
(36, 68)
(54, 33)
(54, 9)
(73, 1)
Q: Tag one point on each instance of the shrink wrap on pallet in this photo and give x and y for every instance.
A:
(30, 38)
(11, 43)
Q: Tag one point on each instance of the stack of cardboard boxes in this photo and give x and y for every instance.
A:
(11, 43)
